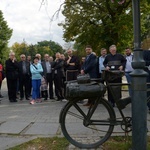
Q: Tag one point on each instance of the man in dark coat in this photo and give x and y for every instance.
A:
(24, 77)
(90, 67)
(116, 62)
(72, 65)
(59, 75)
(12, 71)
(48, 73)
(90, 64)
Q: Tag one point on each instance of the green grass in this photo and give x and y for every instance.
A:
(121, 143)
(114, 143)
(43, 144)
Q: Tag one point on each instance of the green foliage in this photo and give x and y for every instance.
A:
(53, 46)
(5, 35)
(101, 23)
(43, 47)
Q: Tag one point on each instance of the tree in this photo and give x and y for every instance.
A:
(19, 48)
(101, 23)
(53, 46)
(5, 35)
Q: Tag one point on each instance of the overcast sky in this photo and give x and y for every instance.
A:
(30, 20)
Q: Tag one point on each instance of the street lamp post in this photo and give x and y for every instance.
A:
(138, 85)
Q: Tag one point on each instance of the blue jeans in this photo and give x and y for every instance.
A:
(128, 77)
(36, 88)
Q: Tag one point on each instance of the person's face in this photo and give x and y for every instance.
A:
(69, 52)
(103, 52)
(23, 57)
(12, 56)
(51, 59)
(113, 50)
(36, 60)
(57, 55)
(83, 59)
(62, 57)
(46, 57)
(29, 58)
(127, 52)
(88, 51)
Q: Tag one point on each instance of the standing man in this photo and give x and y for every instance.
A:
(114, 61)
(24, 77)
(128, 67)
(101, 60)
(48, 73)
(90, 67)
(71, 66)
(59, 76)
(12, 76)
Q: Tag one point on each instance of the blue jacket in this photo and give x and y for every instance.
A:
(36, 71)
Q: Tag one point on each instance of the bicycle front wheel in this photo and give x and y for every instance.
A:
(85, 133)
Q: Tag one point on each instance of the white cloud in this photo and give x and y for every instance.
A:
(31, 21)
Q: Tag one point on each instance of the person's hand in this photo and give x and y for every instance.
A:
(68, 61)
(82, 72)
(121, 68)
(13, 60)
(107, 68)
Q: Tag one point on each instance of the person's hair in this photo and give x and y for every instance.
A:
(103, 49)
(88, 46)
(11, 53)
(112, 46)
(127, 48)
(35, 58)
(22, 55)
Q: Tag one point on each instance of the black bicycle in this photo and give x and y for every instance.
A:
(90, 128)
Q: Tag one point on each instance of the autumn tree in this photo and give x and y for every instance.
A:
(101, 23)
(19, 48)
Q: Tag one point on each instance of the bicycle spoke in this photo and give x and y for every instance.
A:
(75, 115)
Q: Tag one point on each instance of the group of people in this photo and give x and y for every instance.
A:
(39, 77)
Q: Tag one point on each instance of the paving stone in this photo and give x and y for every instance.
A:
(11, 127)
(43, 129)
(11, 141)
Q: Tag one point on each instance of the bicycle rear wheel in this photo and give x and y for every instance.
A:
(84, 134)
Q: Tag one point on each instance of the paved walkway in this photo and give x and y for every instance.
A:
(21, 122)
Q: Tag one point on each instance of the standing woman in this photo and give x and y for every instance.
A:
(36, 70)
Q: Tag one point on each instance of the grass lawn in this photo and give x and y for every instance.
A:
(55, 143)
(43, 144)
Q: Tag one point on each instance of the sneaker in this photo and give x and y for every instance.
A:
(38, 101)
(32, 102)
(86, 104)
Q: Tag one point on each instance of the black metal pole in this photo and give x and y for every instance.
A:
(139, 107)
